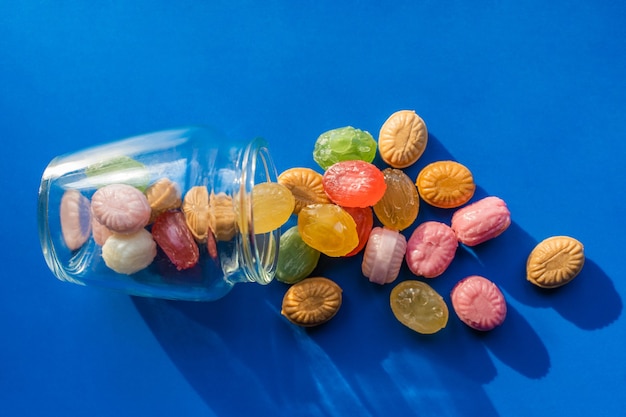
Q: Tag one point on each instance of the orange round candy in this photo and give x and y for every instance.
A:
(445, 184)
(354, 183)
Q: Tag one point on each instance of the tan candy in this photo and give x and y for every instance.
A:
(196, 210)
(306, 186)
(402, 139)
(312, 301)
(555, 261)
(445, 184)
(222, 216)
(162, 196)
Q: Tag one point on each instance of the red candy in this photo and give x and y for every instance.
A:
(354, 183)
(172, 235)
(364, 219)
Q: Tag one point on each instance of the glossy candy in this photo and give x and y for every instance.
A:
(555, 261)
(343, 144)
(480, 221)
(399, 206)
(383, 255)
(354, 184)
(75, 212)
(402, 139)
(328, 228)
(431, 249)
(172, 235)
(305, 185)
(121, 208)
(296, 259)
(479, 303)
(163, 195)
(445, 184)
(272, 204)
(364, 219)
(312, 302)
(222, 219)
(128, 254)
(419, 307)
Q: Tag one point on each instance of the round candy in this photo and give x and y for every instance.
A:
(99, 231)
(354, 184)
(305, 185)
(312, 301)
(196, 210)
(383, 255)
(127, 254)
(121, 208)
(364, 219)
(402, 139)
(272, 204)
(343, 144)
(480, 221)
(555, 261)
(296, 259)
(172, 235)
(430, 249)
(419, 307)
(75, 219)
(163, 195)
(328, 228)
(479, 303)
(445, 184)
(400, 204)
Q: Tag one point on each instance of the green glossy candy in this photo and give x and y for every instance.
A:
(120, 170)
(296, 259)
(344, 144)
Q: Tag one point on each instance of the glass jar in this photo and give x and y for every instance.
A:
(93, 223)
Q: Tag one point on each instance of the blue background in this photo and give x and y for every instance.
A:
(530, 95)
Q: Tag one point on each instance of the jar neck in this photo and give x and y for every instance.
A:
(258, 253)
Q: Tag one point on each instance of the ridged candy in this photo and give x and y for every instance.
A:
(481, 221)
(383, 255)
(431, 249)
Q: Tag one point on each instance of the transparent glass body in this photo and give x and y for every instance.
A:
(228, 250)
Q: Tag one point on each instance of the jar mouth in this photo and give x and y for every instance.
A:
(259, 251)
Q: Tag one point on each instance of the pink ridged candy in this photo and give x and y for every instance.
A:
(75, 219)
(430, 249)
(479, 303)
(481, 221)
(99, 231)
(121, 208)
(383, 255)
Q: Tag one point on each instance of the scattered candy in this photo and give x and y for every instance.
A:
(121, 208)
(343, 144)
(419, 307)
(399, 206)
(272, 204)
(305, 185)
(445, 184)
(162, 196)
(555, 261)
(172, 235)
(196, 210)
(480, 221)
(354, 184)
(296, 259)
(479, 303)
(430, 249)
(402, 139)
(328, 228)
(364, 219)
(312, 301)
(383, 255)
(127, 254)
(75, 219)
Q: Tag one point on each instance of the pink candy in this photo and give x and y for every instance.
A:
(430, 249)
(479, 303)
(481, 221)
(383, 255)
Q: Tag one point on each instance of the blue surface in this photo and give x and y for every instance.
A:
(531, 95)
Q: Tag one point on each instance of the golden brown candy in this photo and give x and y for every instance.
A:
(222, 216)
(445, 184)
(196, 209)
(402, 139)
(555, 261)
(306, 186)
(162, 196)
(312, 301)
(400, 204)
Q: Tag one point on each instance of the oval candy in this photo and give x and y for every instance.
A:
(354, 184)
(431, 249)
(479, 303)
(445, 184)
(402, 139)
(555, 261)
(419, 307)
(480, 221)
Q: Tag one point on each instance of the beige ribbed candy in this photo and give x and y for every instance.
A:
(222, 216)
(305, 185)
(402, 139)
(127, 254)
(196, 210)
(312, 301)
(555, 261)
(162, 196)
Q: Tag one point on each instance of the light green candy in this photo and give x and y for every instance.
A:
(344, 144)
(296, 259)
(120, 170)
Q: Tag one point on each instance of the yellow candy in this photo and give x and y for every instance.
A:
(272, 204)
(328, 228)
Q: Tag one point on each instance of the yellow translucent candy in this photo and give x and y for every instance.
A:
(328, 228)
(272, 204)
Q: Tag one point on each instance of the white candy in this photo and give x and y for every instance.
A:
(127, 254)
(383, 255)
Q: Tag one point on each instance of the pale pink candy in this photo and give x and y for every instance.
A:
(383, 255)
(99, 231)
(481, 221)
(479, 303)
(121, 208)
(430, 249)
(75, 219)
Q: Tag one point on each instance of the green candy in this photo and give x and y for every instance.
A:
(119, 170)
(344, 144)
(296, 259)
